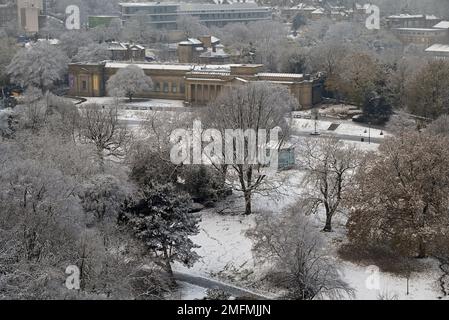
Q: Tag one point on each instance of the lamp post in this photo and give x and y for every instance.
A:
(369, 132)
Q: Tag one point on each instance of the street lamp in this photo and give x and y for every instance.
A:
(369, 132)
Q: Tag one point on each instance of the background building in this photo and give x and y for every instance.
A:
(121, 51)
(165, 14)
(195, 84)
(28, 14)
(205, 50)
(8, 13)
(438, 51)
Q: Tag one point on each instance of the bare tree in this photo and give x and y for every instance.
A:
(101, 127)
(330, 166)
(252, 106)
(299, 264)
(400, 195)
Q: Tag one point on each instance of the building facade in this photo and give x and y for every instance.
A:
(438, 51)
(422, 36)
(121, 51)
(28, 14)
(8, 13)
(165, 14)
(195, 84)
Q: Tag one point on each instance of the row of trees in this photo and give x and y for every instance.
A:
(67, 199)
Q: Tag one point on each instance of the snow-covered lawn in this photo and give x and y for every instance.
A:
(344, 128)
(226, 251)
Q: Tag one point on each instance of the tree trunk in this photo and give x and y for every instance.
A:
(328, 226)
(248, 209)
(421, 249)
(168, 268)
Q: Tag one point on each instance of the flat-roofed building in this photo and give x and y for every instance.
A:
(406, 20)
(28, 14)
(422, 36)
(195, 84)
(165, 14)
(438, 51)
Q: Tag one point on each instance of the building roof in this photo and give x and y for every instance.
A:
(419, 29)
(442, 25)
(406, 16)
(147, 4)
(150, 66)
(443, 48)
(186, 7)
(280, 75)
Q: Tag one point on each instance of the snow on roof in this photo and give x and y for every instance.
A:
(186, 7)
(318, 11)
(406, 16)
(150, 66)
(431, 17)
(438, 48)
(147, 4)
(194, 41)
(442, 25)
(419, 29)
(280, 75)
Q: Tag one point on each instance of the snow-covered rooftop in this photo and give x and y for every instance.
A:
(442, 25)
(406, 16)
(438, 48)
(280, 75)
(150, 66)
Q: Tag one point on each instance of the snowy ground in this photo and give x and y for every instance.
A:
(226, 251)
(344, 128)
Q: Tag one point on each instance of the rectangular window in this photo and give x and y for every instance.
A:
(96, 83)
(84, 85)
(174, 87)
(166, 87)
(157, 87)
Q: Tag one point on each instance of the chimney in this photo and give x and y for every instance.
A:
(206, 40)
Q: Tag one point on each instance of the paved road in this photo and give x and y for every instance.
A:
(214, 284)
(344, 137)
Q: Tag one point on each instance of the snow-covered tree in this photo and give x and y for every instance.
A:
(295, 250)
(191, 26)
(128, 82)
(41, 66)
(94, 52)
(330, 166)
(100, 126)
(72, 41)
(256, 106)
(7, 52)
(160, 218)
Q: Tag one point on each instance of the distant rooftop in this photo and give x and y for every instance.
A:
(419, 29)
(438, 48)
(442, 25)
(193, 6)
(406, 16)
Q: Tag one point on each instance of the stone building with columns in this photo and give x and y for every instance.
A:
(195, 84)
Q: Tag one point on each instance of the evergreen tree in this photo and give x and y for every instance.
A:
(162, 221)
